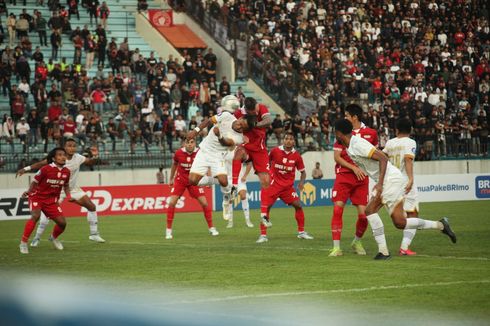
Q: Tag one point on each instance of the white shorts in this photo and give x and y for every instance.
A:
(206, 161)
(75, 193)
(411, 203)
(393, 193)
(229, 168)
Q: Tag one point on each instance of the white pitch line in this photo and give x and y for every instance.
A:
(299, 293)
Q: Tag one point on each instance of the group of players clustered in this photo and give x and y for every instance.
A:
(237, 137)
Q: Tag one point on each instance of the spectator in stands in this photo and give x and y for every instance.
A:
(9, 132)
(103, 13)
(317, 173)
(92, 6)
(34, 122)
(41, 25)
(142, 5)
(55, 40)
(22, 130)
(11, 23)
(45, 130)
(98, 98)
(73, 9)
(55, 22)
(89, 47)
(18, 107)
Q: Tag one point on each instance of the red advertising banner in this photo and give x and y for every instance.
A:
(161, 18)
(140, 199)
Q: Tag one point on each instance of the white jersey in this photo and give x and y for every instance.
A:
(224, 121)
(74, 166)
(399, 148)
(360, 150)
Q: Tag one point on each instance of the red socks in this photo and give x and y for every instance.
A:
(235, 171)
(361, 225)
(337, 222)
(208, 215)
(299, 215)
(170, 216)
(30, 225)
(57, 231)
(263, 229)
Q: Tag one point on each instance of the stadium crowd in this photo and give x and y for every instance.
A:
(424, 59)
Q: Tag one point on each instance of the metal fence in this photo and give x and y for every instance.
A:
(11, 163)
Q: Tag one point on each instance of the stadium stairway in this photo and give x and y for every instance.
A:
(121, 24)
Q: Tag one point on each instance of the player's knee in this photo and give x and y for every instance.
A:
(91, 207)
(399, 223)
(223, 181)
(61, 224)
(193, 179)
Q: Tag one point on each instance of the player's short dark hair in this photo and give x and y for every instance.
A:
(71, 139)
(251, 120)
(289, 133)
(404, 125)
(52, 154)
(344, 126)
(354, 110)
(250, 103)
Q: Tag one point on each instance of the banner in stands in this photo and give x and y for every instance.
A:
(110, 200)
(161, 18)
(306, 106)
(315, 193)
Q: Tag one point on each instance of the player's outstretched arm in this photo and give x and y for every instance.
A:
(302, 179)
(409, 169)
(360, 175)
(204, 124)
(265, 123)
(35, 166)
(32, 189)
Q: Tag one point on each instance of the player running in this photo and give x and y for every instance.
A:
(388, 191)
(73, 163)
(179, 180)
(285, 160)
(350, 183)
(401, 152)
(44, 193)
(242, 193)
(255, 150)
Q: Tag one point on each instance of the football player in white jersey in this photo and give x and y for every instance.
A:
(73, 163)
(389, 190)
(226, 133)
(242, 192)
(401, 153)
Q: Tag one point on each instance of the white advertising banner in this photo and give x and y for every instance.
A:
(453, 187)
(12, 205)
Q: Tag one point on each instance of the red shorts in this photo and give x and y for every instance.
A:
(179, 188)
(49, 207)
(287, 194)
(260, 160)
(346, 186)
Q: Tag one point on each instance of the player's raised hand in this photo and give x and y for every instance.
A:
(20, 172)
(360, 175)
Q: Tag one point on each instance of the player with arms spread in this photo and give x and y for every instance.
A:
(179, 180)
(389, 190)
(285, 160)
(73, 163)
(350, 183)
(44, 193)
(401, 152)
(255, 150)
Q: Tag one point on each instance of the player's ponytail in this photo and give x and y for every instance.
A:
(52, 154)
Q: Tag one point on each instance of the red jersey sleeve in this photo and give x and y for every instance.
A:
(263, 110)
(338, 147)
(375, 141)
(300, 165)
(40, 175)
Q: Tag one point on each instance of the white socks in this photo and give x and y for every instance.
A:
(421, 224)
(245, 209)
(408, 235)
(336, 244)
(92, 222)
(378, 232)
(43, 223)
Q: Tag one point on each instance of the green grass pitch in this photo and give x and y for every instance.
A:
(443, 279)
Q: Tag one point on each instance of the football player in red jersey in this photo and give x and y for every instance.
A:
(179, 179)
(351, 183)
(285, 160)
(44, 193)
(255, 149)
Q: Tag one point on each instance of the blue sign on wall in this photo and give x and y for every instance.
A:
(315, 193)
(482, 186)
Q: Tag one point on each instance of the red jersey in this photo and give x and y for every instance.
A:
(284, 165)
(256, 136)
(365, 132)
(50, 179)
(183, 160)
